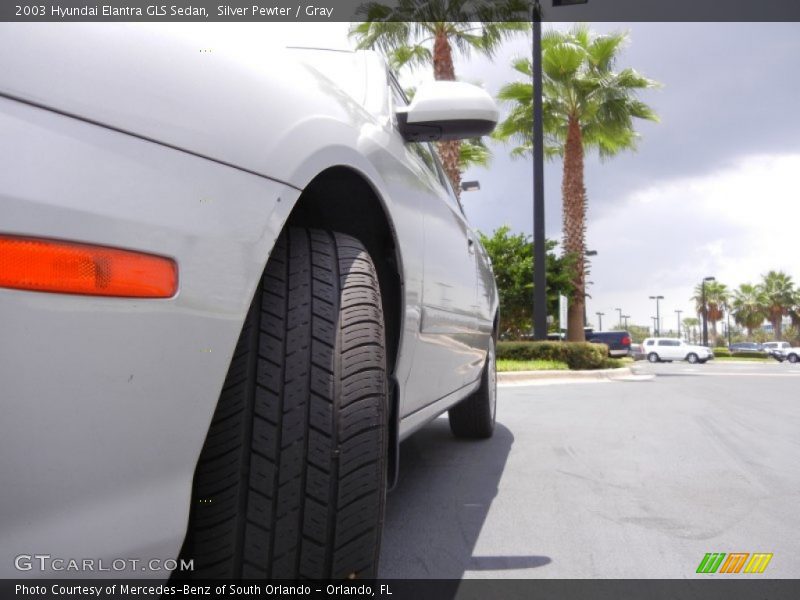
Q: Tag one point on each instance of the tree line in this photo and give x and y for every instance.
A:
(751, 305)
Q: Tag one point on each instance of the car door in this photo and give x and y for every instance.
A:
(486, 300)
(450, 350)
(668, 349)
(681, 350)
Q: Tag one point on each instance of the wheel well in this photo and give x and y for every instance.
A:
(339, 199)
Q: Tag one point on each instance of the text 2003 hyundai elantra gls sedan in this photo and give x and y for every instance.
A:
(230, 283)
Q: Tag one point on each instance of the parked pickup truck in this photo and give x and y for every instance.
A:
(618, 342)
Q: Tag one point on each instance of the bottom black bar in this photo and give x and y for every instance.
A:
(730, 588)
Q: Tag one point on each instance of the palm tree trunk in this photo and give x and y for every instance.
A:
(777, 325)
(573, 193)
(443, 70)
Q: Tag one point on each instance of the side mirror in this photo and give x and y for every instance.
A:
(447, 110)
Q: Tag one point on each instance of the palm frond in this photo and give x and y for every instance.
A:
(468, 25)
(603, 50)
(578, 82)
(409, 56)
(473, 153)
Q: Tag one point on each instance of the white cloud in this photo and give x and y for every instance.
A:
(735, 224)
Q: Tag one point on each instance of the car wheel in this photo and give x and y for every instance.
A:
(652, 357)
(692, 358)
(792, 358)
(474, 417)
(291, 481)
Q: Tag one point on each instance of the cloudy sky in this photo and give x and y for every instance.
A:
(714, 187)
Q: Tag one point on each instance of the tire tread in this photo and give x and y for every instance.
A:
(291, 480)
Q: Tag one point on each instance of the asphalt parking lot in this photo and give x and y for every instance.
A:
(624, 479)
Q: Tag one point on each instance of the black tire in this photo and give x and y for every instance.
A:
(692, 358)
(474, 417)
(792, 358)
(291, 481)
(652, 357)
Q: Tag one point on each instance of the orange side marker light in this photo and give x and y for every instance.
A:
(43, 265)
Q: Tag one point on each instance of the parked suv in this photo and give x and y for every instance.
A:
(618, 342)
(669, 349)
(776, 350)
(782, 351)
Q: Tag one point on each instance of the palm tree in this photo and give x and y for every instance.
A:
(794, 311)
(716, 300)
(777, 290)
(425, 32)
(587, 105)
(748, 307)
(689, 324)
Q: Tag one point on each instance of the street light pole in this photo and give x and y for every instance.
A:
(655, 330)
(539, 276)
(539, 273)
(679, 322)
(705, 309)
(658, 314)
(728, 327)
(626, 317)
(600, 321)
(619, 310)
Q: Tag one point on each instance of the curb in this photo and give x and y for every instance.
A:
(523, 377)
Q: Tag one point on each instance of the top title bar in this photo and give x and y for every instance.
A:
(399, 10)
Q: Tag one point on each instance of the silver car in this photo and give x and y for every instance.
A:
(231, 282)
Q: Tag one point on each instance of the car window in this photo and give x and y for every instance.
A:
(430, 157)
(649, 342)
(398, 94)
(445, 181)
(669, 343)
(426, 154)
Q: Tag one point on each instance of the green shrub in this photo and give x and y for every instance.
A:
(530, 365)
(745, 354)
(613, 363)
(723, 352)
(577, 355)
